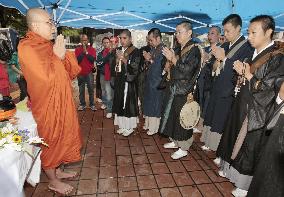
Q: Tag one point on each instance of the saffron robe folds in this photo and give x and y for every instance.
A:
(50, 91)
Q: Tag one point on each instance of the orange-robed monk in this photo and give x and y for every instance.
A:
(48, 70)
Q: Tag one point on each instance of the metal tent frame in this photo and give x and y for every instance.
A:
(58, 10)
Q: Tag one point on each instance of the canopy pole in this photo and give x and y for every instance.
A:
(279, 27)
(136, 16)
(23, 4)
(165, 25)
(91, 17)
(109, 14)
(233, 7)
(193, 20)
(66, 6)
(54, 14)
(41, 4)
(279, 15)
(60, 2)
(74, 19)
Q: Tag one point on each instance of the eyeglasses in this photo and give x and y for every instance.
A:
(178, 32)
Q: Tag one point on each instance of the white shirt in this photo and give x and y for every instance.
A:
(231, 44)
(278, 99)
(255, 54)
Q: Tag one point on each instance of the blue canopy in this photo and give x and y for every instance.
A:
(145, 14)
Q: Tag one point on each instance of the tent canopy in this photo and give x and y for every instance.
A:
(145, 14)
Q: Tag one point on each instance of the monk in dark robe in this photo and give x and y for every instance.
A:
(125, 100)
(268, 178)
(184, 65)
(261, 75)
(222, 91)
(48, 70)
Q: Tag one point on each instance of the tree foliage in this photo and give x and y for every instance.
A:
(66, 31)
(12, 18)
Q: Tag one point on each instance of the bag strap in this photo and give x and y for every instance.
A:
(257, 64)
(126, 54)
(235, 49)
(185, 50)
(200, 67)
(220, 65)
(128, 51)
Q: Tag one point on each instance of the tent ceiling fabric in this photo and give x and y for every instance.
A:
(145, 14)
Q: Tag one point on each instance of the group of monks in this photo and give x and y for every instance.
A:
(49, 69)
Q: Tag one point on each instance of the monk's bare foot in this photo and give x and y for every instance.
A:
(60, 174)
(59, 187)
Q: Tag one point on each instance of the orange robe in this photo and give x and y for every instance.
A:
(50, 91)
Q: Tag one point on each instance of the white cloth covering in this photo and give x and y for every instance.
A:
(125, 122)
(20, 166)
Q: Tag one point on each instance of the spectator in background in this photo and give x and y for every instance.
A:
(222, 39)
(114, 41)
(141, 75)
(5, 55)
(103, 66)
(98, 83)
(86, 56)
(16, 75)
(4, 79)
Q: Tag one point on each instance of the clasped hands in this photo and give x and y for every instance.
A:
(218, 52)
(243, 68)
(169, 54)
(147, 56)
(120, 56)
(59, 47)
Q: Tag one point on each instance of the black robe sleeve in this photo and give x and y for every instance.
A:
(263, 90)
(264, 82)
(133, 65)
(184, 74)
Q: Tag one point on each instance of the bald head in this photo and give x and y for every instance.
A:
(36, 14)
(39, 21)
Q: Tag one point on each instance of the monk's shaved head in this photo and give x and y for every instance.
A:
(39, 21)
(36, 14)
